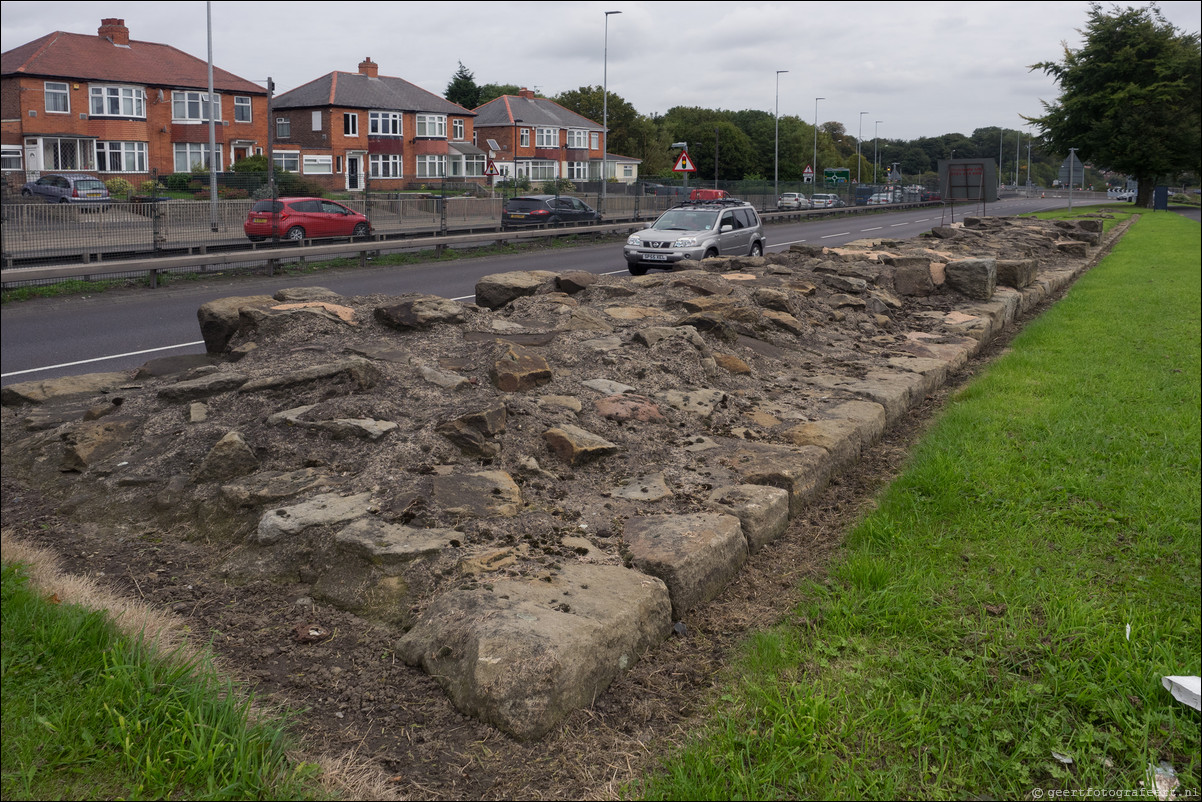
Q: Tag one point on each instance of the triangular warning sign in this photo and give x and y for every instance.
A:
(684, 164)
(491, 169)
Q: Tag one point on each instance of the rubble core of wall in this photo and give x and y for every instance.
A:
(534, 489)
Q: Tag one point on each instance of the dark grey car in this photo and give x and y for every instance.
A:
(546, 210)
(83, 190)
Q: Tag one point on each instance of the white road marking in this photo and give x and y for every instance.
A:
(101, 359)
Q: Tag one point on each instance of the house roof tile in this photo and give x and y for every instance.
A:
(508, 109)
(83, 57)
(358, 91)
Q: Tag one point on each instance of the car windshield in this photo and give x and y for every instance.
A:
(682, 220)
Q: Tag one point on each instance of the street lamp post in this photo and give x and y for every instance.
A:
(816, 139)
(858, 138)
(876, 153)
(776, 151)
(605, 108)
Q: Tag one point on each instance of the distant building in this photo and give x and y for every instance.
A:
(115, 106)
(351, 129)
(538, 139)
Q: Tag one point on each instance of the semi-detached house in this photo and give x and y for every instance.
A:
(349, 130)
(119, 107)
(538, 139)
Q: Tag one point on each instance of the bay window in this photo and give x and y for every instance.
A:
(431, 166)
(384, 165)
(194, 154)
(121, 157)
(546, 137)
(384, 123)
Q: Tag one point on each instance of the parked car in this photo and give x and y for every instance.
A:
(86, 191)
(882, 198)
(299, 219)
(826, 201)
(930, 196)
(546, 210)
(793, 200)
(1120, 194)
(696, 230)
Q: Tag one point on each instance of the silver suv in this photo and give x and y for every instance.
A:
(696, 230)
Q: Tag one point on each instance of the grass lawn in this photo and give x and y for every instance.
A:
(1000, 624)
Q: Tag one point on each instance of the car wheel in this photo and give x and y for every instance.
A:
(296, 234)
(710, 254)
(25, 193)
(757, 249)
(63, 200)
(361, 230)
(636, 270)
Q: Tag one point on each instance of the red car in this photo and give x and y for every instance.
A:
(300, 219)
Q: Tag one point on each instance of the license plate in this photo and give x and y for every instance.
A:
(516, 215)
(260, 219)
(655, 257)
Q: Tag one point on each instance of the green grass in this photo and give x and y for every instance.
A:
(89, 714)
(974, 639)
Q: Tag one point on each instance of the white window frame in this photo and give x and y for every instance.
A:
(595, 140)
(64, 93)
(458, 131)
(287, 160)
(131, 101)
(350, 123)
(473, 165)
(386, 165)
(52, 153)
(131, 156)
(315, 121)
(432, 126)
(317, 165)
(385, 123)
(437, 163)
(193, 107)
(242, 103)
(578, 171)
(525, 137)
(546, 137)
(542, 170)
(283, 128)
(11, 157)
(194, 153)
(578, 138)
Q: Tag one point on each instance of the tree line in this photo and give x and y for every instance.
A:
(1129, 105)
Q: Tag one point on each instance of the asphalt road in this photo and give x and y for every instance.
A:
(122, 329)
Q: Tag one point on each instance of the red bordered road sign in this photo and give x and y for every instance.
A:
(684, 164)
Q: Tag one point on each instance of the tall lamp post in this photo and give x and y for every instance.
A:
(859, 137)
(875, 149)
(776, 152)
(816, 139)
(605, 108)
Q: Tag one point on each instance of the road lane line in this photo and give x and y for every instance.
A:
(100, 359)
(844, 234)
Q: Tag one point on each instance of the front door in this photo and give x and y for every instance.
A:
(353, 168)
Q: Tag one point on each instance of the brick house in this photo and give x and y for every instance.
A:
(351, 130)
(538, 139)
(115, 106)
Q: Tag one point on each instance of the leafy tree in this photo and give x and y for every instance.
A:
(462, 89)
(493, 91)
(1131, 97)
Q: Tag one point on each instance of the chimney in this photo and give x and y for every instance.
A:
(369, 68)
(526, 93)
(114, 30)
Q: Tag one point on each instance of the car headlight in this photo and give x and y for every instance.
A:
(685, 242)
(634, 241)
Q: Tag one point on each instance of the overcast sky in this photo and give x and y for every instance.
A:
(922, 69)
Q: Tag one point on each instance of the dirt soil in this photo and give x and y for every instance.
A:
(354, 696)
